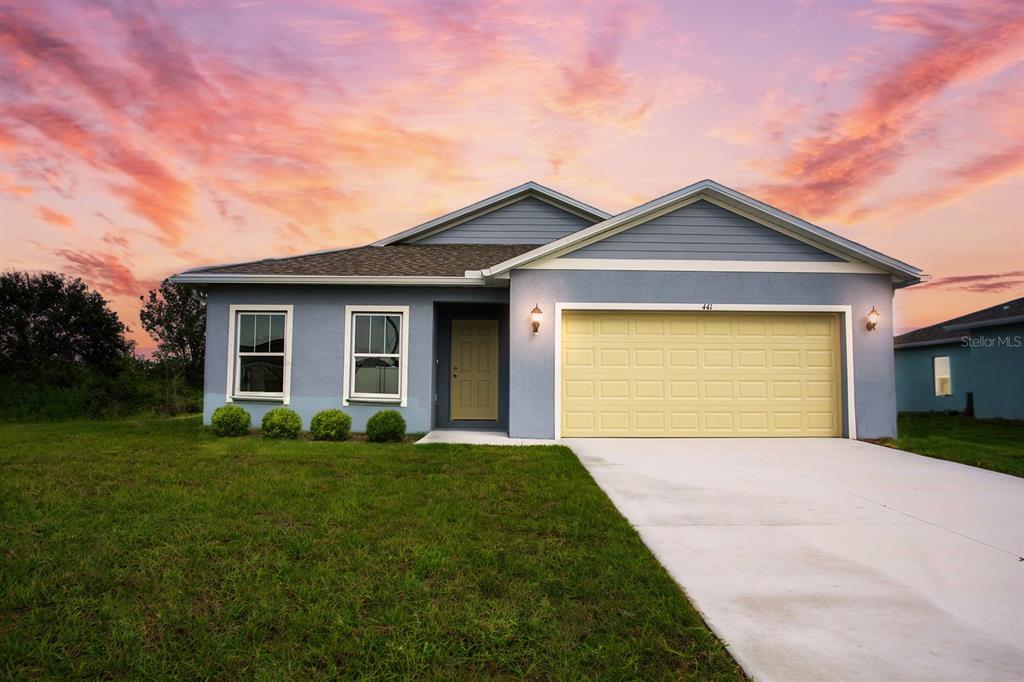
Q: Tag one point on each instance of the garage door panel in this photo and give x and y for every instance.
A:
(696, 373)
(717, 389)
(682, 358)
(579, 421)
(579, 357)
(753, 358)
(612, 326)
(650, 421)
(649, 357)
(755, 421)
(578, 388)
(649, 388)
(612, 389)
(614, 421)
(684, 423)
(718, 358)
(681, 327)
(613, 357)
(649, 326)
(757, 389)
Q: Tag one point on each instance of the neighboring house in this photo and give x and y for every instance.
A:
(702, 313)
(972, 364)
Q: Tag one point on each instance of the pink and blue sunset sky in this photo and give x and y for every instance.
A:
(138, 139)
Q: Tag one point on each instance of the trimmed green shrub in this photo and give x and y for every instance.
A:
(230, 420)
(281, 422)
(330, 425)
(387, 426)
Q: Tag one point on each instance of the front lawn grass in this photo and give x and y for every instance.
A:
(152, 549)
(996, 444)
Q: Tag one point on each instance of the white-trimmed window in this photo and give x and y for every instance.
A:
(259, 349)
(376, 354)
(943, 378)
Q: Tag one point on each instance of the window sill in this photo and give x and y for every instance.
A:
(258, 399)
(373, 401)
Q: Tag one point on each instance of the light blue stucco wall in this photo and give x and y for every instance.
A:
(532, 356)
(989, 364)
(702, 231)
(318, 343)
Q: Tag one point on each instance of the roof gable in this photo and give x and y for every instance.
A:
(526, 220)
(702, 231)
(531, 190)
(741, 204)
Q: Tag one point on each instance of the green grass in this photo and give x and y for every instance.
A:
(996, 444)
(152, 549)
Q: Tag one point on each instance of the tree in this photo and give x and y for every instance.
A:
(48, 320)
(175, 316)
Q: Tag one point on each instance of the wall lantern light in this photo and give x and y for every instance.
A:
(873, 319)
(536, 315)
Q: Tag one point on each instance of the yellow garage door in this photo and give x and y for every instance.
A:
(671, 374)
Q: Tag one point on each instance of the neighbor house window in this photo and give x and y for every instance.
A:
(943, 380)
(260, 352)
(376, 347)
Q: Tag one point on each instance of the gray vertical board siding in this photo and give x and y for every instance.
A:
(702, 231)
(527, 221)
(532, 356)
(318, 345)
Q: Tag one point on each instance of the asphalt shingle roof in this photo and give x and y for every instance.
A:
(394, 260)
(940, 332)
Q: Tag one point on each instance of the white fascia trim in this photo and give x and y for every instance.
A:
(403, 389)
(642, 264)
(490, 203)
(706, 189)
(231, 393)
(845, 310)
(220, 278)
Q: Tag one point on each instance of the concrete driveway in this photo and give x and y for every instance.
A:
(830, 559)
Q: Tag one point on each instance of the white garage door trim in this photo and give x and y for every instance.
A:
(845, 310)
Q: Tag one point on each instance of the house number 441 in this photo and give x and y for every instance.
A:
(706, 306)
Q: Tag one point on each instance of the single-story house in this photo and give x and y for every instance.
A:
(972, 364)
(701, 313)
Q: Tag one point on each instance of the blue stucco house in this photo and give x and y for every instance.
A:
(972, 364)
(704, 312)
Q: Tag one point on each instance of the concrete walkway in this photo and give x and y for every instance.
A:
(830, 559)
(477, 437)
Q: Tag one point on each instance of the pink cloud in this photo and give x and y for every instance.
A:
(984, 283)
(55, 218)
(976, 173)
(861, 146)
(310, 125)
(9, 185)
(105, 271)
